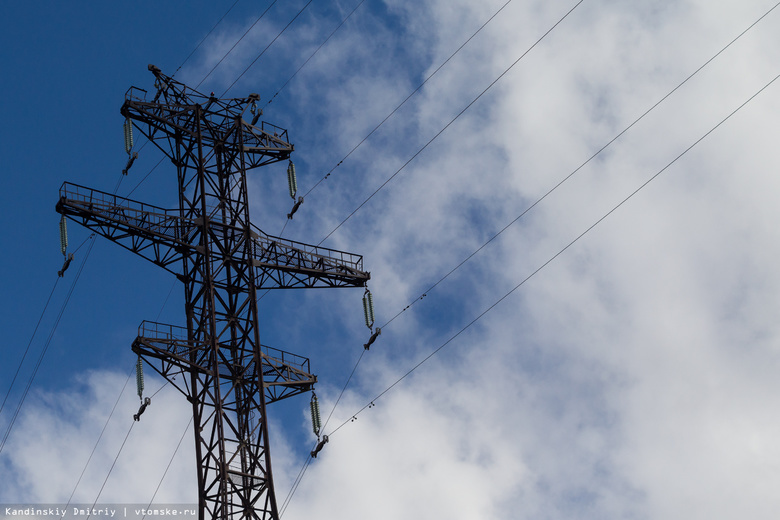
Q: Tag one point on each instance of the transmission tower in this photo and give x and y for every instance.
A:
(223, 260)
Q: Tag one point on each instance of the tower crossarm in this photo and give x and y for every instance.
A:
(286, 264)
(175, 354)
(177, 111)
(284, 374)
(264, 144)
(157, 234)
(162, 236)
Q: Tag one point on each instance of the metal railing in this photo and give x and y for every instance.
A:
(131, 213)
(178, 343)
(284, 252)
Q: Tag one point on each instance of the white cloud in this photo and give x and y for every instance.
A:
(57, 432)
(633, 377)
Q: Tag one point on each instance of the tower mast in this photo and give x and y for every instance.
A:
(209, 243)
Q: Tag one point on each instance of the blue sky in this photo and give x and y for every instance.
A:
(634, 376)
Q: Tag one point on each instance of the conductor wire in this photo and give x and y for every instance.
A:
(110, 470)
(626, 129)
(35, 331)
(99, 437)
(560, 252)
(234, 45)
(267, 46)
(46, 346)
(418, 152)
(312, 54)
(306, 463)
(308, 460)
(295, 485)
(204, 38)
(24, 356)
(168, 466)
(412, 93)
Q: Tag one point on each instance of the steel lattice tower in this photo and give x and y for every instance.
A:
(225, 372)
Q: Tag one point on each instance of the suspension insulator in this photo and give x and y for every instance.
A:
(315, 414)
(291, 180)
(63, 235)
(139, 377)
(128, 127)
(368, 308)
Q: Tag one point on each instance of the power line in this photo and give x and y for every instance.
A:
(295, 485)
(186, 428)
(362, 352)
(204, 38)
(522, 282)
(51, 334)
(267, 47)
(46, 346)
(308, 460)
(94, 448)
(453, 120)
(110, 415)
(110, 470)
(315, 52)
(556, 255)
(412, 93)
(24, 356)
(26, 350)
(306, 463)
(369, 135)
(234, 45)
(122, 447)
(598, 152)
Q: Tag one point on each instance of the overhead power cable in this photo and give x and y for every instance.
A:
(32, 337)
(97, 442)
(51, 335)
(306, 463)
(204, 39)
(315, 52)
(46, 346)
(157, 489)
(116, 458)
(588, 160)
(418, 152)
(234, 45)
(295, 485)
(145, 177)
(527, 278)
(398, 107)
(560, 252)
(308, 460)
(412, 93)
(105, 426)
(363, 351)
(267, 47)
(24, 356)
(100, 492)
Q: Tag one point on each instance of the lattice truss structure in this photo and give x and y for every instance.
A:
(212, 247)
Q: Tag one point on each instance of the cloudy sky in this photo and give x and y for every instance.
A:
(627, 372)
